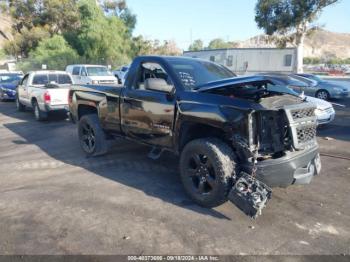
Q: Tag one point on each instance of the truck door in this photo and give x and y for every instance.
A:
(84, 79)
(76, 75)
(146, 114)
(22, 90)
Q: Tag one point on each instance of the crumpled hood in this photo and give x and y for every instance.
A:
(232, 81)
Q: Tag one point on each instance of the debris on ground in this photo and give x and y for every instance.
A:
(329, 138)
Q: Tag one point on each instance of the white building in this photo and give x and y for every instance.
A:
(251, 60)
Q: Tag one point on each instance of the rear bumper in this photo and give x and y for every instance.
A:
(296, 168)
(49, 108)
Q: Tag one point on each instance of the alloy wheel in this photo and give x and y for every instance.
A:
(201, 173)
(322, 95)
(88, 138)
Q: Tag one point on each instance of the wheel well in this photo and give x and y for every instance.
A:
(322, 90)
(192, 131)
(86, 110)
(33, 100)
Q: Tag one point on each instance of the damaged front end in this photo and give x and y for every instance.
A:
(275, 145)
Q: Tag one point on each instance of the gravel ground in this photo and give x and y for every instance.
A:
(54, 200)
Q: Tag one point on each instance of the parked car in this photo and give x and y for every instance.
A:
(235, 137)
(8, 84)
(325, 112)
(91, 75)
(44, 91)
(324, 89)
(121, 73)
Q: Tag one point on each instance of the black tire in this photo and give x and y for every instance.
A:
(206, 169)
(323, 94)
(20, 107)
(92, 138)
(38, 113)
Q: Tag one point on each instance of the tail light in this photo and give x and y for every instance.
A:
(47, 97)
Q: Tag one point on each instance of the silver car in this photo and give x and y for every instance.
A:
(322, 89)
(324, 110)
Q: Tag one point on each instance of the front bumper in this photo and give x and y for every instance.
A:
(294, 168)
(325, 118)
(344, 94)
(9, 95)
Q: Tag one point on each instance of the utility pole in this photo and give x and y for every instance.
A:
(191, 37)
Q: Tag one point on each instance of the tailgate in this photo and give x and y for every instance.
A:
(59, 96)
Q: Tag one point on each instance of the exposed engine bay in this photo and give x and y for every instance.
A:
(284, 124)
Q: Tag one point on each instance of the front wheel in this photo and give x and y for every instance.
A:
(323, 94)
(91, 136)
(207, 167)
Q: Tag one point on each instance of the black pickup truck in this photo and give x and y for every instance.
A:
(236, 136)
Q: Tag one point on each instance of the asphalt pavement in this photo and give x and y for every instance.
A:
(54, 200)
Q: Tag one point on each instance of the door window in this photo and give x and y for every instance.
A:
(288, 60)
(76, 71)
(25, 80)
(40, 80)
(83, 71)
(229, 60)
(150, 70)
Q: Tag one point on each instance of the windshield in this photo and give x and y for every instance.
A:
(98, 71)
(10, 78)
(282, 89)
(194, 73)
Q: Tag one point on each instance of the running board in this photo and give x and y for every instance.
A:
(250, 195)
(155, 153)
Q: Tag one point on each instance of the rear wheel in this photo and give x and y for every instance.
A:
(20, 107)
(91, 136)
(207, 166)
(38, 113)
(323, 94)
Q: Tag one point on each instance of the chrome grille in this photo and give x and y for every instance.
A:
(302, 123)
(302, 113)
(305, 134)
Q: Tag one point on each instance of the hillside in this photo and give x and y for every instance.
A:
(321, 43)
(5, 29)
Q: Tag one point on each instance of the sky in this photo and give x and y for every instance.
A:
(233, 20)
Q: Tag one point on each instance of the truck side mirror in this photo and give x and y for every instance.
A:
(158, 84)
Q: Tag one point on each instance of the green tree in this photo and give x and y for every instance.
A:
(291, 20)
(120, 9)
(140, 46)
(60, 15)
(100, 39)
(26, 40)
(219, 43)
(34, 20)
(53, 52)
(197, 45)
